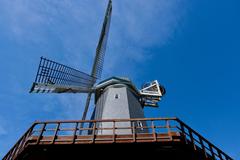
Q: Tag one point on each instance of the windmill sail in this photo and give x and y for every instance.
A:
(101, 47)
(53, 77)
(100, 52)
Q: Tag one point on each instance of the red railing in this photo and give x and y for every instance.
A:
(71, 132)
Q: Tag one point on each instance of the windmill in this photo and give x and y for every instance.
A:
(117, 122)
(53, 77)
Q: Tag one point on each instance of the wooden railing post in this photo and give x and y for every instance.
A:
(134, 131)
(21, 143)
(211, 150)
(27, 135)
(219, 154)
(41, 133)
(55, 133)
(8, 155)
(114, 131)
(18, 147)
(192, 139)
(169, 130)
(93, 132)
(153, 131)
(74, 133)
(203, 147)
(183, 134)
(16, 150)
(80, 128)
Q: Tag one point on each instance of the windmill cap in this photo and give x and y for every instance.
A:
(115, 80)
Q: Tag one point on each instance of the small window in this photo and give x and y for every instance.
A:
(116, 96)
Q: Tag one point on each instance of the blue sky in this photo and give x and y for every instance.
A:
(190, 46)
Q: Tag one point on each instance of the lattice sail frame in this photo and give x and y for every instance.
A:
(53, 77)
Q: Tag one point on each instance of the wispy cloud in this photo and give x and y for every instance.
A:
(2, 131)
(76, 24)
(148, 23)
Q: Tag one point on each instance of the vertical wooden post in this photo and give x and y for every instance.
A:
(114, 130)
(134, 131)
(93, 132)
(18, 146)
(41, 133)
(169, 130)
(192, 139)
(203, 147)
(74, 133)
(10, 154)
(27, 135)
(13, 155)
(24, 140)
(183, 134)
(153, 131)
(219, 154)
(55, 133)
(211, 150)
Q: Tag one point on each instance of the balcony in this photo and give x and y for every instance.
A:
(168, 136)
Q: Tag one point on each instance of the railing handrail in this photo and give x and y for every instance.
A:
(19, 141)
(103, 120)
(202, 138)
(190, 135)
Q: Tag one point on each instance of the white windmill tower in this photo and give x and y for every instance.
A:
(115, 98)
